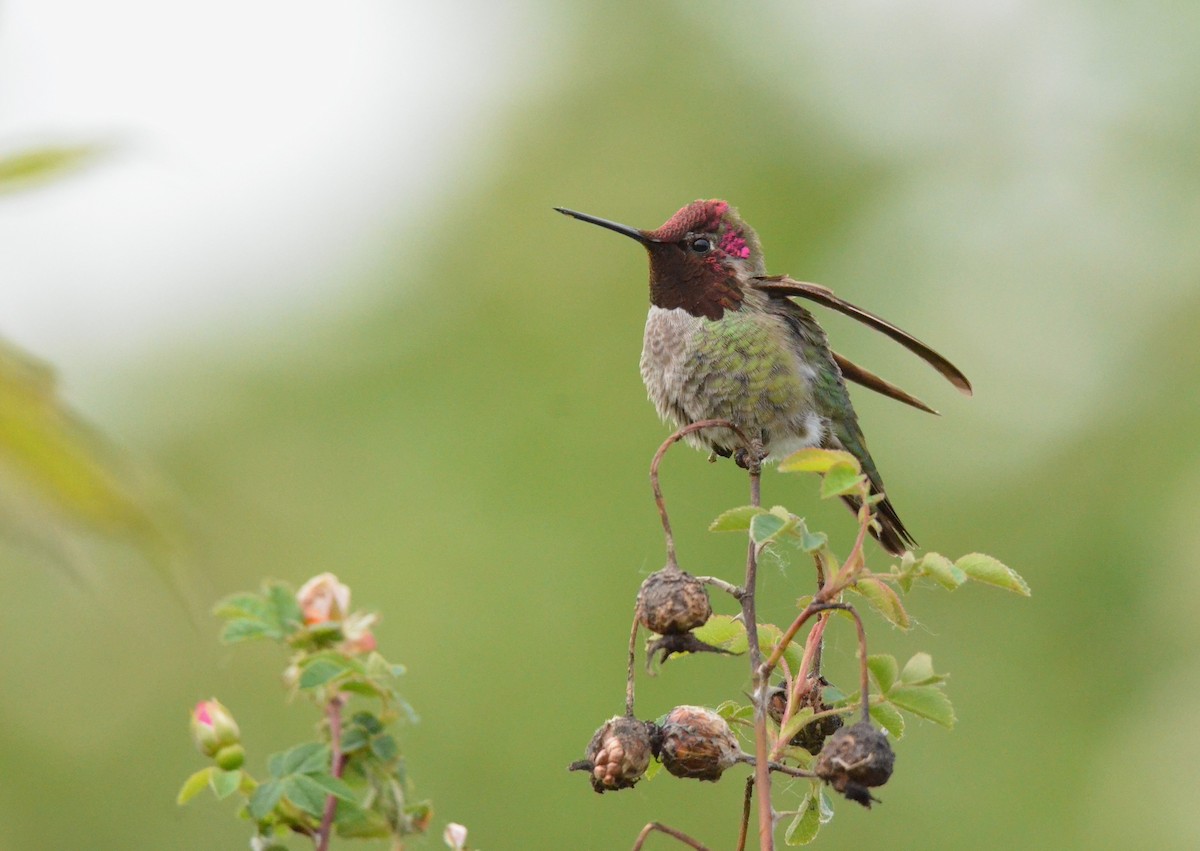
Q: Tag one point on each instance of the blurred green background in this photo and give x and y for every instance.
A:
(456, 427)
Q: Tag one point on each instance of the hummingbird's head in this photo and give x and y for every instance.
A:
(698, 258)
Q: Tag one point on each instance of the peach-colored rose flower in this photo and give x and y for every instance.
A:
(323, 598)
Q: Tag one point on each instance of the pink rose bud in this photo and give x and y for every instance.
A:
(213, 728)
(455, 836)
(323, 598)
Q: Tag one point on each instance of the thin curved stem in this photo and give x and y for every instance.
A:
(629, 674)
(677, 436)
(669, 831)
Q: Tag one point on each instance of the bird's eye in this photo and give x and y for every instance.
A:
(701, 245)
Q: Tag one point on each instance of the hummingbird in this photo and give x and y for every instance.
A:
(725, 340)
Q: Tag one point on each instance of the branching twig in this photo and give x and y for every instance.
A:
(669, 831)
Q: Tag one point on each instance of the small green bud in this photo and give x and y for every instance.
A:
(230, 757)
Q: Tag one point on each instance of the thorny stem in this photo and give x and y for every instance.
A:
(658, 456)
(669, 831)
(333, 711)
(721, 585)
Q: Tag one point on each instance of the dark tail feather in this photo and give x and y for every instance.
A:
(892, 535)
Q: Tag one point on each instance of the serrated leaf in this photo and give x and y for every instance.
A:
(805, 825)
(332, 785)
(194, 785)
(943, 571)
(984, 568)
(841, 479)
(725, 632)
(766, 527)
(731, 710)
(302, 791)
(320, 671)
(884, 670)
(918, 671)
(926, 701)
(225, 783)
(735, 519)
(887, 717)
(263, 799)
(816, 460)
(813, 541)
(304, 759)
(883, 599)
(769, 637)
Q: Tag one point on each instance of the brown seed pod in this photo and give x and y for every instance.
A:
(854, 760)
(697, 742)
(618, 754)
(812, 736)
(672, 602)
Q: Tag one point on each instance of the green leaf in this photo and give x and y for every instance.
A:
(284, 606)
(884, 669)
(941, 570)
(807, 822)
(813, 541)
(886, 716)
(353, 822)
(918, 671)
(735, 519)
(769, 637)
(766, 527)
(841, 479)
(225, 783)
(724, 632)
(317, 672)
(815, 460)
(332, 785)
(194, 785)
(731, 710)
(652, 769)
(884, 599)
(384, 747)
(244, 629)
(263, 800)
(984, 568)
(305, 793)
(368, 721)
(245, 605)
(304, 759)
(926, 701)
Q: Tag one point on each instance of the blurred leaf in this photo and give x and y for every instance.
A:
(884, 669)
(724, 632)
(884, 599)
(225, 783)
(812, 541)
(984, 568)
(652, 769)
(735, 519)
(37, 165)
(305, 793)
(241, 629)
(941, 570)
(353, 822)
(319, 670)
(194, 785)
(796, 723)
(886, 716)
(263, 799)
(841, 479)
(926, 701)
(918, 671)
(807, 822)
(816, 460)
(766, 527)
(303, 759)
(769, 637)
